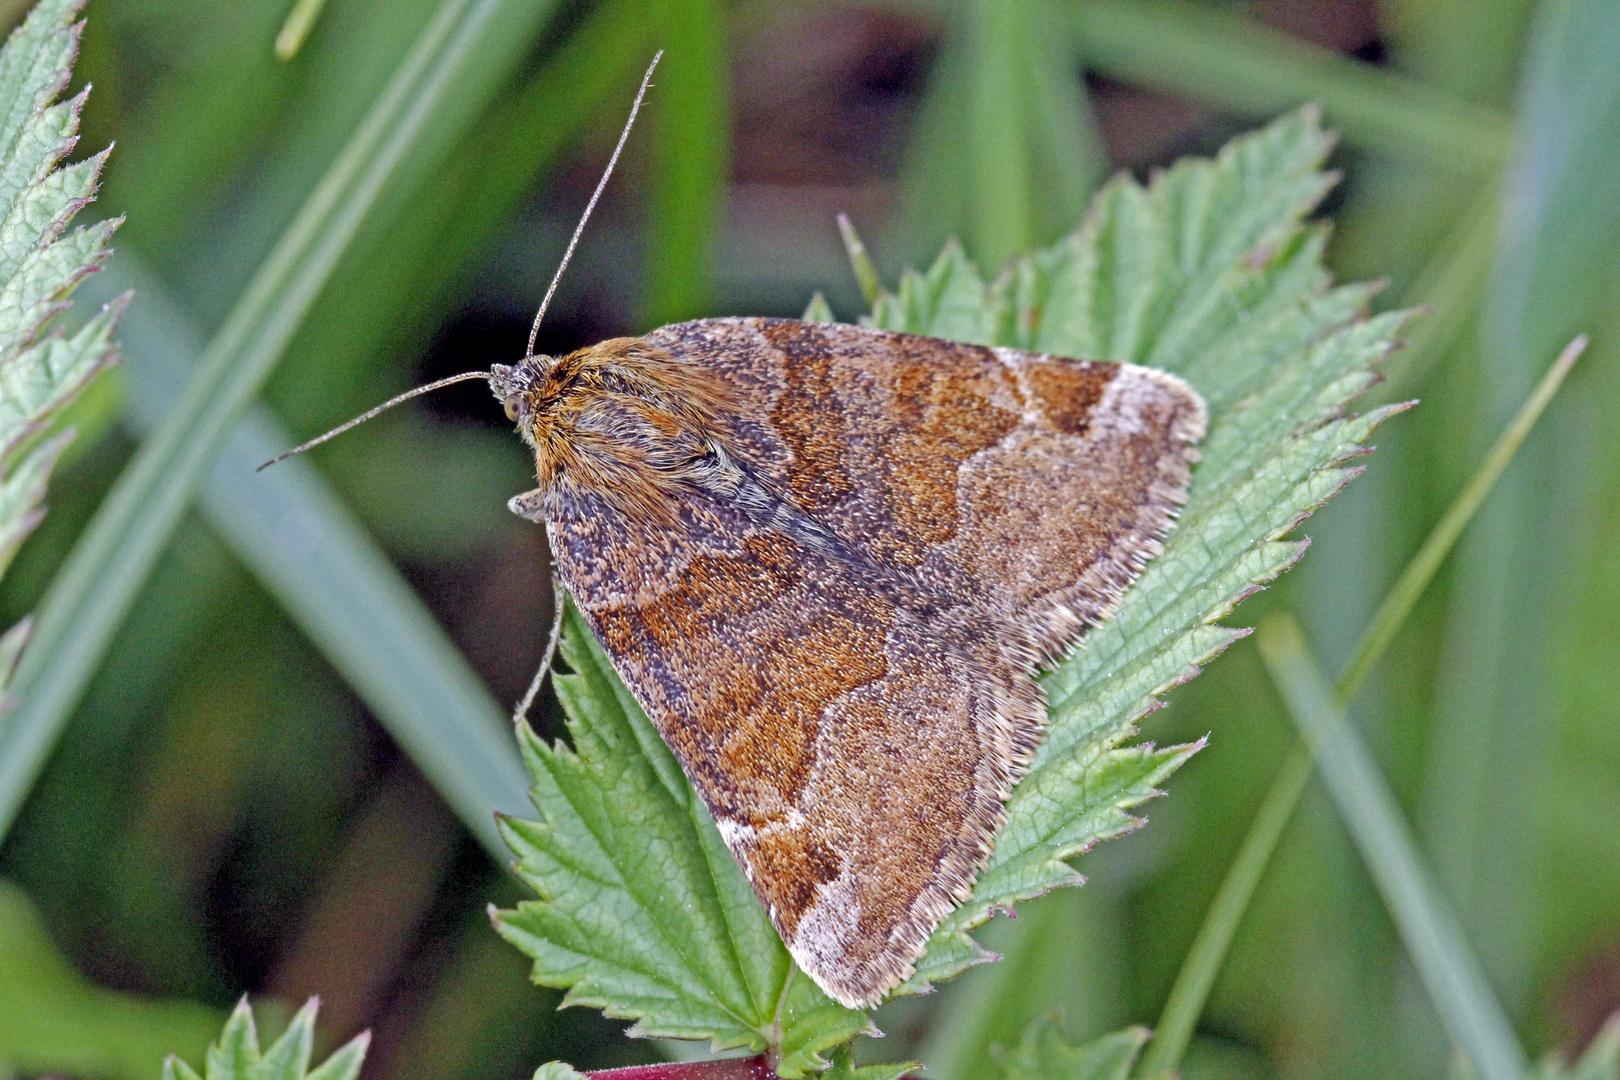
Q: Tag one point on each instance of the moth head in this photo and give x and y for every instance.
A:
(623, 418)
(511, 384)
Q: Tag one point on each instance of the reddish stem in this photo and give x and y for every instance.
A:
(754, 1068)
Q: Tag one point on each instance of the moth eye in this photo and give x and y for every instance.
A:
(511, 409)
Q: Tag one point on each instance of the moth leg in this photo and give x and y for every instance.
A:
(530, 504)
(559, 600)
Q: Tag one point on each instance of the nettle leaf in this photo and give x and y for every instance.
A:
(236, 1056)
(1210, 271)
(1042, 1054)
(644, 913)
(41, 368)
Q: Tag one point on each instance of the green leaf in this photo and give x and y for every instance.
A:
(41, 368)
(556, 1070)
(236, 1056)
(644, 913)
(844, 1068)
(1211, 272)
(53, 1020)
(1042, 1054)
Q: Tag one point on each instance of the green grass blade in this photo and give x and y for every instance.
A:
(1006, 151)
(309, 552)
(1196, 977)
(1233, 62)
(1530, 620)
(1420, 571)
(690, 113)
(1203, 962)
(300, 21)
(1450, 972)
(94, 589)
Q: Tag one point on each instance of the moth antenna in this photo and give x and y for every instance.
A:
(635, 107)
(363, 417)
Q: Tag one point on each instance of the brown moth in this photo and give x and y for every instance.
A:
(827, 562)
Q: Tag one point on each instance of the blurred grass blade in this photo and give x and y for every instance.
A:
(1054, 938)
(1450, 284)
(1230, 61)
(300, 21)
(95, 587)
(1451, 974)
(1006, 151)
(1530, 625)
(691, 117)
(1420, 571)
(1203, 961)
(860, 261)
(54, 1021)
(1196, 977)
(310, 553)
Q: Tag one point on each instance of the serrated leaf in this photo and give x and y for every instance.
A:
(556, 1070)
(1042, 1054)
(236, 1056)
(1209, 271)
(41, 368)
(643, 912)
(844, 1068)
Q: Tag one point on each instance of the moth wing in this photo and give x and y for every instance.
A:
(836, 737)
(854, 712)
(1033, 486)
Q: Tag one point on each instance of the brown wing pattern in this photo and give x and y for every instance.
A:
(855, 740)
(770, 671)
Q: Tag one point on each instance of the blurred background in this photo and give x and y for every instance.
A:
(226, 814)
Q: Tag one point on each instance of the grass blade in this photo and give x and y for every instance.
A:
(1203, 962)
(1238, 64)
(93, 590)
(309, 552)
(1420, 571)
(692, 145)
(1005, 150)
(1449, 970)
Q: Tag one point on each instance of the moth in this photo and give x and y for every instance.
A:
(828, 562)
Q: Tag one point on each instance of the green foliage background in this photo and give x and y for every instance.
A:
(223, 813)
